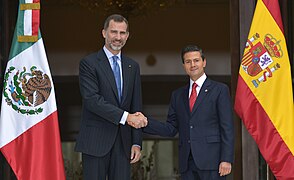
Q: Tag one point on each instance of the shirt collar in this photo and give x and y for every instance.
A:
(199, 81)
(109, 54)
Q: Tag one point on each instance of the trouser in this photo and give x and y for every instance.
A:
(194, 173)
(114, 165)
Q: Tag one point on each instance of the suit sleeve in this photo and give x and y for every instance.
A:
(165, 129)
(93, 101)
(226, 125)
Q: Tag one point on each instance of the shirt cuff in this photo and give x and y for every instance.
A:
(124, 118)
(137, 145)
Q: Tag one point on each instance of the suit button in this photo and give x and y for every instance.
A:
(189, 141)
(191, 127)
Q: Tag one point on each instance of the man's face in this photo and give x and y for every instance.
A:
(194, 64)
(115, 36)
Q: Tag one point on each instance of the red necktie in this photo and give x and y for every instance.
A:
(193, 96)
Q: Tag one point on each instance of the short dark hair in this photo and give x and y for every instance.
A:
(116, 18)
(192, 48)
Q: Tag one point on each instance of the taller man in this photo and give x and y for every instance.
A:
(110, 86)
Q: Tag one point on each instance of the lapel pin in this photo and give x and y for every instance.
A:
(130, 66)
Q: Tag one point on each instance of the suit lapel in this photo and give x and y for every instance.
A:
(202, 94)
(126, 73)
(186, 99)
(106, 68)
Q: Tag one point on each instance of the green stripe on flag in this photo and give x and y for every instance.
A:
(18, 47)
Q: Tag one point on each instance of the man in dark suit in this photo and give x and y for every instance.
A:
(202, 115)
(110, 85)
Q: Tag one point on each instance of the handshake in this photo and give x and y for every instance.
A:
(137, 120)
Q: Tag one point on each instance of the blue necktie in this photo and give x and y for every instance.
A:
(116, 72)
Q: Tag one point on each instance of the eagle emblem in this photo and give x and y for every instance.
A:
(258, 57)
(26, 90)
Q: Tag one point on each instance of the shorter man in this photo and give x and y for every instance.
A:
(201, 113)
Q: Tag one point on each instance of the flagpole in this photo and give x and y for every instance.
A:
(267, 172)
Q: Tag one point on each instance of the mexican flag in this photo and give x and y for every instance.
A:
(264, 96)
(29, 132)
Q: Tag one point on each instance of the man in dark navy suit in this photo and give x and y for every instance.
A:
(110, 85)
(201, 113)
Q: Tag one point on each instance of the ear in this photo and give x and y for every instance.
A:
(104, 33)
(204, 63)
(184, 68)
(128, 33)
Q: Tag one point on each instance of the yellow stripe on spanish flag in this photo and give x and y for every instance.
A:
(264, 97)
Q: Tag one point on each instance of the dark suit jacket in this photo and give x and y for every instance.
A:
(101, 111)
(208, 131)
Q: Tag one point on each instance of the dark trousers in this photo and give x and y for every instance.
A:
(114, 165)
(194, 173)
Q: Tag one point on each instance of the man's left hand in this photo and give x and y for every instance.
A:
(225, 168)
(135, 154)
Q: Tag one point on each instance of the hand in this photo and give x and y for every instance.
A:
(225, 168)
(137, 120)
(135, 154)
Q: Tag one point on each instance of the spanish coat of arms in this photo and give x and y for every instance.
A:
(258, 57)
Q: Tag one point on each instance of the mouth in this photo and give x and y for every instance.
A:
(117, 43)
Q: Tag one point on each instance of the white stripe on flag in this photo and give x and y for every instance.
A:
(27, 23)
(12, 123)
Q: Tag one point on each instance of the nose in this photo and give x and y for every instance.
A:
(193, 63)
(117, 36)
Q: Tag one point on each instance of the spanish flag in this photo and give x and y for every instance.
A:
(264, 97)
(29, 130)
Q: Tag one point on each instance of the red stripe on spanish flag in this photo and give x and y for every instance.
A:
(264, 97)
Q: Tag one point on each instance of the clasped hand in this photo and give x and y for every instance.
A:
(137, 120)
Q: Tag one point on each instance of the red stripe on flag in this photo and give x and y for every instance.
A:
(259, 125)
(248, 54)
(35, 20)
(36, 154)
(273, 7)
(246, 61)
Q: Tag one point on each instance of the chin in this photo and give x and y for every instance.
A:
(116, 48)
